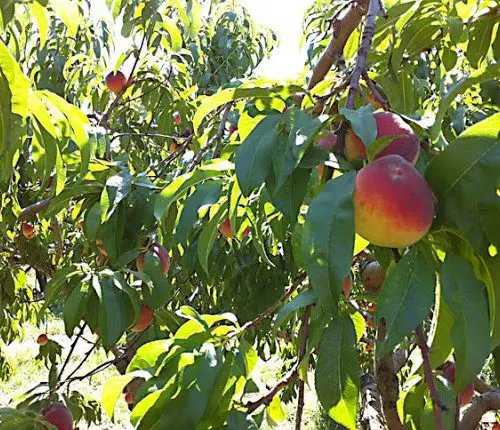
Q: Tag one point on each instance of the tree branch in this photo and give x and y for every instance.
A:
(302, 353)
(343, 27)
(266, 400)
(371, 412)
(486, 402)
(429, 378)
(214, 140)
(388, 384)
(31, 210)
(271, 309)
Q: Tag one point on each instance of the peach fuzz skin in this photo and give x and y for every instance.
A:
(393, 205)
(388, 124)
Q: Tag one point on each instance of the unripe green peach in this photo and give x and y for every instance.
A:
(372, 277)
(393, 205)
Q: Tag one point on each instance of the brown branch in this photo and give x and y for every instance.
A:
(214, 140)
(482, 387)
(375, 92)
(371, 417)
(60, 244)
(271, 309)
(364, 48)
(429, 378)
(388, 384)
(31, 210)
(343, 26)
(486, 402)
(267, 399)
(302, 353)
(70, 353)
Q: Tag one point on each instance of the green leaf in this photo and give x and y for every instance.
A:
(411, 404)
(493, 265)
(205, 195)
(253, 157)
(440, 333)
(337, 372)
(113, 389)
(117, 189)
(328, 238)
(55, 284)
(69, 13)
(379, 144)
(300, 129)
(466, 298)
(401, 90)
(174, 32)
(75, 307)
(240, 421)
(115, 313)
(487, 73)
(275, 410)
(5, 115)
(416, 37)
(176, 189)
(480, 34)
(18, 83)
(304, 299)
(496, 358)
(289, 198)
(463, 173)
(211, 103)
(207, 237)
(406, 298)
(78, 122)
(362, 122)
(40, 14)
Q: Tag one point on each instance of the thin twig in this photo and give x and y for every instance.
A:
(60, 244)
(302, 353)
(375, 92)
(429, 377)
(271, 309)
(213, 141)
(267, 399)
(73, 345)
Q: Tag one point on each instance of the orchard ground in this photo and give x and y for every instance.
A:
(28, 372)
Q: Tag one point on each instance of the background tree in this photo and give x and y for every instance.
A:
(198, 221)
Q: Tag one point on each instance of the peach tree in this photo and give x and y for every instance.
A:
(198, 221)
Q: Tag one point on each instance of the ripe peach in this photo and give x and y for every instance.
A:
(370, 324)
(347, 285)
(226, 230)
(369, 346)
(129, 399)
(28, 230)
(467, 393)
(388, 124)
(327, 141)
(162, 255)
(103, 251)
(42, 340)
(372, 277)
(371, 307)
(246, 232)
(116, 82)
(354, 148)
(59, 416)
(233, 129)
(144, 321)
(393, 205)
(177, 119)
